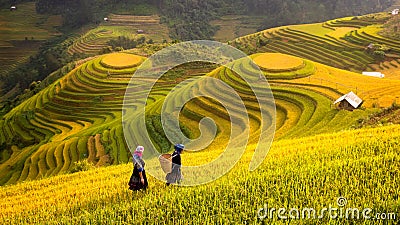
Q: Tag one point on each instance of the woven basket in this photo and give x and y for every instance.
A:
(166, 162)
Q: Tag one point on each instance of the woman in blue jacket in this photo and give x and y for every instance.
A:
(175, 176)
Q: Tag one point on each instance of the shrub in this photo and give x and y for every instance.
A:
(118, 49)
(83, 165)
(379, 55)
(106, 50)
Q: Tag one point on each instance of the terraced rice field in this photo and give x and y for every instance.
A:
(317, 155)
(83, 104)
(340, 43)
(93, 41)
(278, 65)
(278, 62)
(21, 33)
(333, 83)
(79, 116)
(302, 109)
(17, 53)
(121, 61)
(314, 173)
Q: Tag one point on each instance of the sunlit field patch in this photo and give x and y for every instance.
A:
(341, 31)
(315, 29)
(121, 60)
(282, 66)
(276, 62)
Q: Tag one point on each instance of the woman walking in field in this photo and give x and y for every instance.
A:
(138, 179)
(175, 176)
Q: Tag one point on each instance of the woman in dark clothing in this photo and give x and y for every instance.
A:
(175, 176)
(138, 179)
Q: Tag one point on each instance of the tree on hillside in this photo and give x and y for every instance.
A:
(8, 3)
(190, 19)
(75, 13)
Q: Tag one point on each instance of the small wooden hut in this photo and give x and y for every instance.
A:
(349, 101)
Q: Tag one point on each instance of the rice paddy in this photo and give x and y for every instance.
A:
(340, 43)
(318, 154)
(121, 60)
(58, 126)
(359, 165)
(133, 27)
(278, 62)
(21, 33)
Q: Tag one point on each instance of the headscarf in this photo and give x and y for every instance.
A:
(137, 157)
(139, 151)
(179, 148)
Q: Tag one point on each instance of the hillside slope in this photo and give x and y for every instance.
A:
(359, 165)
(321, 156)
(21, 34)
(129, 26)
(79, 116)
(341, 43)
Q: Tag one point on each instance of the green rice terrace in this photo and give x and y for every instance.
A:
(130, 26)
(21, 33)
(341, 43)
(318, 150)
(79, 116)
